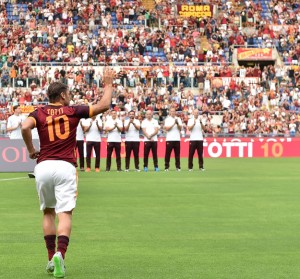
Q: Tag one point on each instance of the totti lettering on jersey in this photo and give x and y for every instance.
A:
(57, 126)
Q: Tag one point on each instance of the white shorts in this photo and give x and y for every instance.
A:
(56, 184)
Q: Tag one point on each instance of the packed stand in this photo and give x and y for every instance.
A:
(276, 24)
(277, 96)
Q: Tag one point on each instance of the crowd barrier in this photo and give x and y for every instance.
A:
(14, 157)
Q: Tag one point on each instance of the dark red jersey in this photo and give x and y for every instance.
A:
(56, 127)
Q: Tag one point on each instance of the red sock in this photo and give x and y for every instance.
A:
(62, 244)
(50, 244)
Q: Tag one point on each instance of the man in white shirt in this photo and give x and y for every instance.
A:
(196, 129)
(150, 129)
(14, 123)
(113, 128)
(173, 126)
(92, 129)
(80, 143)
(132, 140)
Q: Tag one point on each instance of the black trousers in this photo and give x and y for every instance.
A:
(89, 147)
(196, 145)
(132, 146)
(110, 147)
(150, 145)
(170, 146)
(80, 147)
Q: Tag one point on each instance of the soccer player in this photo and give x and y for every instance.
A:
(113, 128)
(80, 143)
(196, 129)
(173, 126)
(132, 140)
(150, 129)
(14, 123)
(93, 140)
(55, 172)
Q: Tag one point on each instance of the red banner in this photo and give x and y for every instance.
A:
(198, 11)
(254, 54)
(230, 148)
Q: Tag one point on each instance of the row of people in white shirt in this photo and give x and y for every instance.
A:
(147, 125)
(113, 126)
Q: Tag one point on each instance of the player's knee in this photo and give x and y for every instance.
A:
(50, 211)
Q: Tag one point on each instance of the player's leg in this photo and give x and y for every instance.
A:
(136, 151)
(45, 188)
(89, 148)
(118, 155)
(65, 180)
(127, 156)
(64, 231)
(169, 148)
(192, 148)
(146, 154)
(97, 146)
(200, 154)
(49, 229)
(176, 146)
(80, 145)
(108, 156)
(154, 154)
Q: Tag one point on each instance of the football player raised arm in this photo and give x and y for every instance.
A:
(55, 172)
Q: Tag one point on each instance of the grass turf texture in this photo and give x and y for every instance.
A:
(239, 219)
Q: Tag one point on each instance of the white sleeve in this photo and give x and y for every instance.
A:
(119, 123)
(138, 123)
(9, 124)
(143, 124)
(106, 124)
(166, 122)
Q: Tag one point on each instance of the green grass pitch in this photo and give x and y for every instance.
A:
(239, 219)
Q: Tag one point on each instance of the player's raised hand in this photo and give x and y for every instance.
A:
(108, 76)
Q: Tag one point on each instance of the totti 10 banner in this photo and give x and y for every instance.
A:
(254, 54)
(198, 11)
(14, 155)
(228, 148)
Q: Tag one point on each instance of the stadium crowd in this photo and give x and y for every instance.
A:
(160, 59)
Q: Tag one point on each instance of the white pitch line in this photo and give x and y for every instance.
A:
(16, 178)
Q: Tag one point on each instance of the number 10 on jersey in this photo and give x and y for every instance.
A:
(54, 127)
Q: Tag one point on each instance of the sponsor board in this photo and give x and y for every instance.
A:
(14, 155)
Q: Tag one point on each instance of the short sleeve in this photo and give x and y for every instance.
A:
(143, 124)
(34, 116)
(106, 124)
(120, 123)
(83, 111)
(9, 123)
(167, 122)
